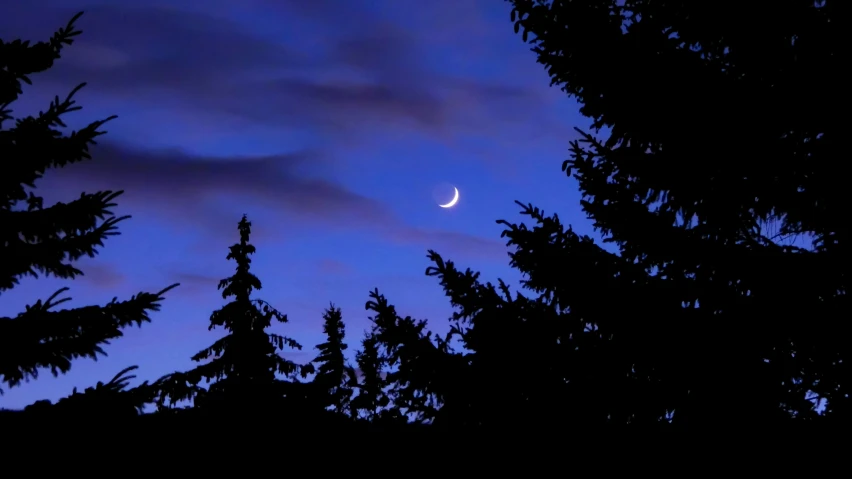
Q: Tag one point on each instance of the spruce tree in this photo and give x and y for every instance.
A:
(47, 239)
(371, 398)
(415, 359)
(711, 166)
(334, 377)
(242, 369)
(504, 362)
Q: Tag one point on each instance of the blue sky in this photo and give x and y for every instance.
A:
(330, 123)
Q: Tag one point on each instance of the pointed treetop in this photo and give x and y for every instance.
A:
(245, 229)
(241, 284)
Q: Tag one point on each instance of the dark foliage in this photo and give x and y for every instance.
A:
(113, 400)
(723, 298)
(721, 150)
(411, 356)
(241, 368)
(334, 379)
(371, 400)
(35, 238)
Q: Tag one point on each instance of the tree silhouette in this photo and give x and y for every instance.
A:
(715, 182)
(35, 238)
(507, 367)
(242, 367)
(415, 360)
(334, 378)
(511, 359)
(371, 399)
(112, 399)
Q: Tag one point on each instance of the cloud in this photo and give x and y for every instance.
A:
(100, 275)
(189, 190)
(453, 243)
(330, 80)
(329, 72)
(333, 267)
(192, 284)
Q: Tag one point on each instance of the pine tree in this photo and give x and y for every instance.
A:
(334, 377)
(371, 398)
(35, 238)
(506, 369)
(242, 368)
(113, 399)
(416, 362)
(715, 140)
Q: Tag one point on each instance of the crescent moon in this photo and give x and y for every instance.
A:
(453, 201)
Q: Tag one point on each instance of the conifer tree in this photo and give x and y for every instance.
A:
(334, 377)
(522, 361)
(508, 368)
(712, 168)
(47, 239)
(416, 362)
(242, 368)
(371, 398)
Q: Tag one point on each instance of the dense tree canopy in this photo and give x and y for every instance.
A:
(719, 124)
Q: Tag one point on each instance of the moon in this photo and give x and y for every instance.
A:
(453, 201)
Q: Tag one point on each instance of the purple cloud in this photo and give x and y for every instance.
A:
(336, 84)
(194, 284)
(101, 275)
(334, 267)
(187, 190)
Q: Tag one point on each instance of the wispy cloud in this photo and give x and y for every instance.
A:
(187, 190)
(331, 84)
(174, 181)
(333, 267)
(102, 275)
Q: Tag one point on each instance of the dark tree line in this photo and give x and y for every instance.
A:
(711, 165)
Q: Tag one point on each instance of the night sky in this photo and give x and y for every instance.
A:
(336, 125)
